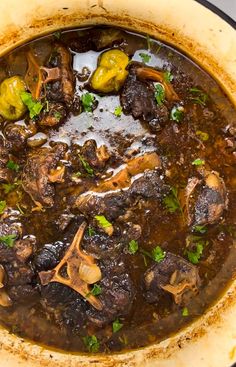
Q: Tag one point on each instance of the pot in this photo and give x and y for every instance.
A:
(209, 40)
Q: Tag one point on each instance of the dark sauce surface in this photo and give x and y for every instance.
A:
(59, 316)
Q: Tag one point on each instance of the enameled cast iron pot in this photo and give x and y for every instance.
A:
(209, 40)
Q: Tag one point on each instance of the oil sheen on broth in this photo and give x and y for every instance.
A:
(117, 190)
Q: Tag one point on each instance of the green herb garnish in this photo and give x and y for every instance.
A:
(200, 229)
(3, 205)
(116, 326)
(198, 96)
(13, 166)
(8, 240)
(198, 244)
(171, 201)
(34, 107)
(177, 113)
(145, 57)
(159, 94)
(118, 111)
(87, 100)
(198, 162)
(168, 77)
(57, 115)
(202, 135)
(57, 35)
(148, 42)
(8, 188)
(185, 312)
(95, 291)
(133, 247)
(91, 343)
(86, 166)
(91, 231)
(158, 254)
(103, 221)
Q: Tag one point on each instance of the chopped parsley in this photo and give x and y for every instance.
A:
(168, 77)
(145, 57)
(91, 231)
(197, 244)
(116, 326)
(87, 100)
(159, 93)
(198, 162)
(13, 166)
(200, 229)
(95, 291)
(133, 247)
(185, 312)
(177, 113)
(171, 201)
(198, 96)
(158, 254)
(3, 205)
(202, 135)
(103, 221)
(34, 107)
(91, 342)
(9, 187)
(118, 111)
(86, 166)
(57, 115)
(8, 240)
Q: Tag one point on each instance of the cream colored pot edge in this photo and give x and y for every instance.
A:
(211, 340)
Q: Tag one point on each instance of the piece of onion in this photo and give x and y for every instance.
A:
(89, 273)
(5, 300)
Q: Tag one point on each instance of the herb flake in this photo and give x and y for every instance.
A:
(171, 201)
(133, 247)
(87, 100)
(86, 165)
(202, 135)
(198, 162)
(3, 205)
(158, 254)
(103, 222)
(168, 77)
(116, 326)
(145, 57)
(13, 165)
(185, 312)
(198, 96)
(91, 343)
(8, 240)
(34, 107)
(159, 93)
(177, 113)
(118, 111)
(95, 291)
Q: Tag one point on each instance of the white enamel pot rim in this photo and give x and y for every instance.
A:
(211, 340)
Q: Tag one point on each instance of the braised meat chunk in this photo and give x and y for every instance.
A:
(40, 172)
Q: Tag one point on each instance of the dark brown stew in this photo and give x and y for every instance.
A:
(117, 190)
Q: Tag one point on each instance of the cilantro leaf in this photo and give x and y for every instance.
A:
(87, 100)
(13, 166)
(8, 188)
(116, 326)
(185, 312)
(8, 240)
(159, 94)
(198, 96)
(133, 247)
(118, 111)
(103, 221)
(198, 162)
(145, 57)
(34, 107)
(86, 166)
(197, 246)
(91, 231)
(177, 113)
(194, 256)
(91, 342)
(95, 291)
(202, 135)
(201, 229)
(158, 254)
(168, 77)
(171, 201)
(57, 115)
(3, 205)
